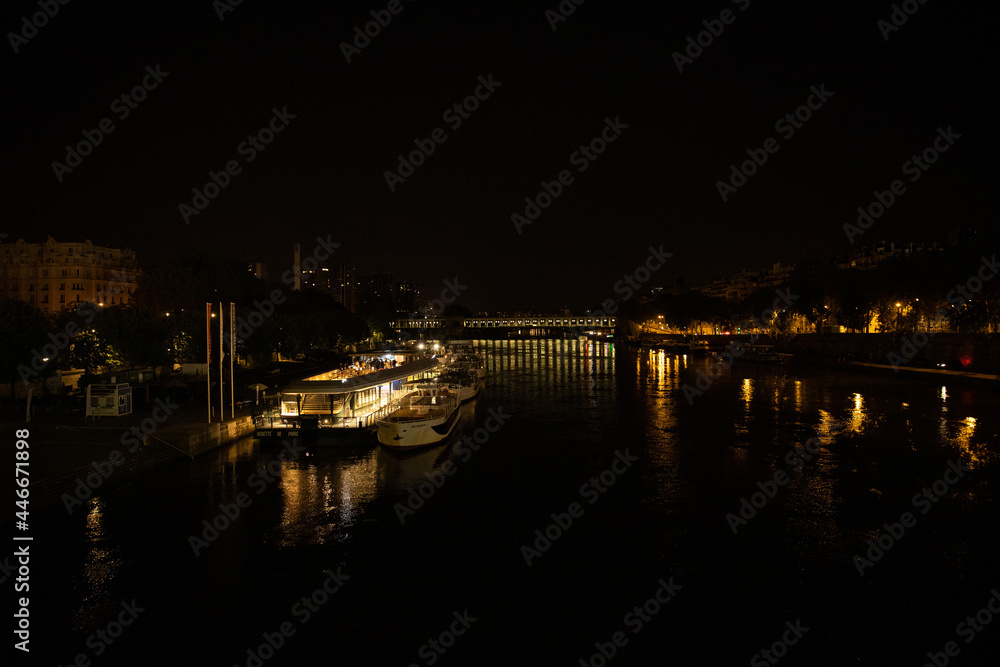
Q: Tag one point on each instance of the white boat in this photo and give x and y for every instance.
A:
(463, 380)
(426, 415)
(465, 357)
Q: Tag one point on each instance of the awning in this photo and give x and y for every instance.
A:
(367, 381)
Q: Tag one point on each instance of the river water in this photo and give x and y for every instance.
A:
(645, 481)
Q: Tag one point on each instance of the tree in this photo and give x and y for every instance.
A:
(134, 335)
(24, 332)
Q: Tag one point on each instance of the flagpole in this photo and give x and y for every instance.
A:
(222, 405)
(232, 358)
(208, 358)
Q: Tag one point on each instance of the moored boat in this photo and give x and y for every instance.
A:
(760, 354)
(466, 358)
(699, 347)
(426, 415)
(463, 380)
(339, 407)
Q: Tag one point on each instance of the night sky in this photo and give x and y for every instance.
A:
(324, 174)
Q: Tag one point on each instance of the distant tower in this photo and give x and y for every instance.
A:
(297, 267)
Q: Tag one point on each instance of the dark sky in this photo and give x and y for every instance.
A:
(656, 184)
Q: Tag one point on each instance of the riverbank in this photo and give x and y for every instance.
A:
(70, 456)
(938, 374)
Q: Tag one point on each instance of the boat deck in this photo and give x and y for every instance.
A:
(415, 407)
(410, 414)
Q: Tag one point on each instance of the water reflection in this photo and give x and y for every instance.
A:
(100, 569)
(746, 392)
(325, 494)
(856, 418)
(322, 498)
(959, 435)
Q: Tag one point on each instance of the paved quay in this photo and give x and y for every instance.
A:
(71, 454)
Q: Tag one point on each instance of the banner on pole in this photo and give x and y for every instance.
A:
(208, 331)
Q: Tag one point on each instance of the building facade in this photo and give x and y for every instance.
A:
(333, 278)
(373, 290)
(54, 276)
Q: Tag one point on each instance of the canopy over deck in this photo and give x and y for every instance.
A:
(361, 382)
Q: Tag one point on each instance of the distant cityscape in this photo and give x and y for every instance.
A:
(743, 283)
(54, 275)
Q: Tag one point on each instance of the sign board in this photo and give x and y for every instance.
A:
(108, 400)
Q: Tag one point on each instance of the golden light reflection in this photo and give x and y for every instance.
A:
(100, 569)
(827, 428)
(857, 416)
(973, 454)
(746, 391)
(319, 501)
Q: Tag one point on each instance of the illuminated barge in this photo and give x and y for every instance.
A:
(337, 407)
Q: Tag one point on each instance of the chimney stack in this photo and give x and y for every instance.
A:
(297, 267)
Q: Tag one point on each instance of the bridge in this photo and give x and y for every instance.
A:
(521, 325)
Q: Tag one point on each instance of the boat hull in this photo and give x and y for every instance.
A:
(322, 437)
(467, 394)
(407, 435)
